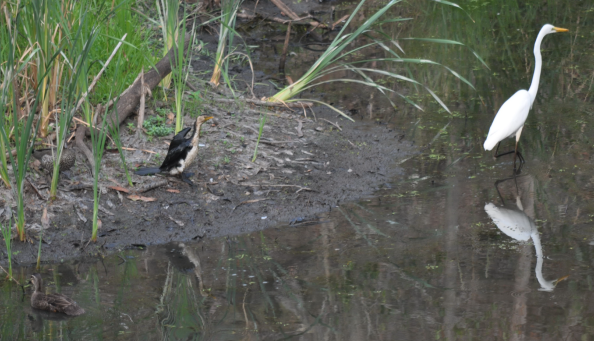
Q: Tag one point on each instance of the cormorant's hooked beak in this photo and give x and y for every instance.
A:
(560, 279)
(559, 29)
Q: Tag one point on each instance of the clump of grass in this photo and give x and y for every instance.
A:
(22, 130)
(78, 47)
(227, 32)
(335, 59)
(262, 123)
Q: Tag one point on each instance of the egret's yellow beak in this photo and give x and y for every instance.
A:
(208, 118)
(559, 29)
(561, 279)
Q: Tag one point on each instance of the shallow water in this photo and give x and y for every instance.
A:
(438, 252)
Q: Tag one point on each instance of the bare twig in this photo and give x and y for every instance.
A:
(82, 99)
(9, 276)
(281, 66)
(334, 124)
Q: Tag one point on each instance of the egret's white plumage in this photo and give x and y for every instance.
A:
(517, 224)
(512, 115)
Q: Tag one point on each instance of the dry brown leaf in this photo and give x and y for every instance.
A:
(119, 189)
(135, 197)
(170, 118)
(170, 190)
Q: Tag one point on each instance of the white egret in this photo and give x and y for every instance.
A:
(512, 115)
(517, 224)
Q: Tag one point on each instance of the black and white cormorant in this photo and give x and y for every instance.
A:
(182, 151)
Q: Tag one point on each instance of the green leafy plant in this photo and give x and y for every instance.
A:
(155, 126)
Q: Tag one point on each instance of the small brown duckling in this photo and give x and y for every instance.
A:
(46, 156)
(57, 303)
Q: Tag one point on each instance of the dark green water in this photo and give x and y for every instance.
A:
(421, 259)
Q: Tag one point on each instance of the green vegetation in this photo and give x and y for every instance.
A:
(7, 235)
(155, 126)
(335, 60)
(227, 32)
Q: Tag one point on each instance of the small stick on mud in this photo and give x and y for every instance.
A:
(36, 190)
(281, 66)
(334, 124)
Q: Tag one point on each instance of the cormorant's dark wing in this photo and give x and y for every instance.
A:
(179, 138)
(175, 154)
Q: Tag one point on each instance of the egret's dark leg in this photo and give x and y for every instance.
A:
(185, 178)
(497, 149)
(504, 180)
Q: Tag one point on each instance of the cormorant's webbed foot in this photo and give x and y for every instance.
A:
(186, 178)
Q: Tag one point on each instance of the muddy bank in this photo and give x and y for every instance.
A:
(307, 162)
(292, 179)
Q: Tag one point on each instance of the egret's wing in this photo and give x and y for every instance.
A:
(515, 224)
(510, 117)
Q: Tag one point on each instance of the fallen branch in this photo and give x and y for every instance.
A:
(275, 19)
(289, 12)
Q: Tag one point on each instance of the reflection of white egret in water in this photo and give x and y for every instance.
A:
(518, 225)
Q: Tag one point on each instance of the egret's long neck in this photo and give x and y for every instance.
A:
(537, 66)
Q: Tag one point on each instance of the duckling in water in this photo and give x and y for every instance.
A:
(57, 303)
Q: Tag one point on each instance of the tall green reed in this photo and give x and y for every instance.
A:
(114, 131)
(180, 69)
(22, 130)
(7, 235)
(170, 25)
(77, 46)
(229, 9)
(98, 137)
